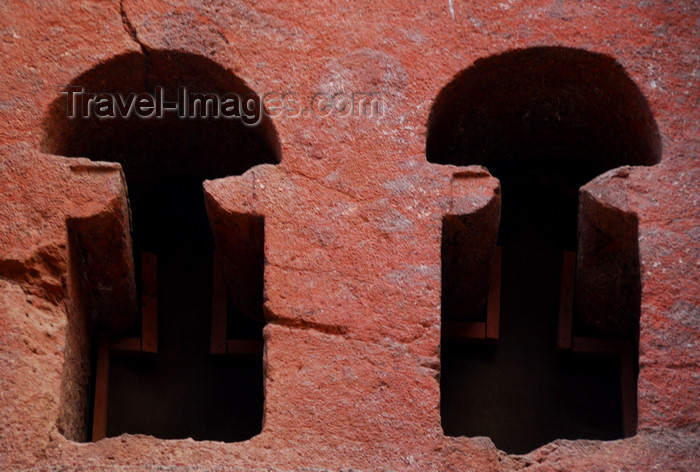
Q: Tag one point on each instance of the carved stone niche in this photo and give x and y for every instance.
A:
(545, 121)
(159, 224)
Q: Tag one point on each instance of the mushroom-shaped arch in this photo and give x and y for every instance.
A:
(545, 121)
(158, 154)
(543, 103)
(219, 147)
(549, 117)
(164, 161)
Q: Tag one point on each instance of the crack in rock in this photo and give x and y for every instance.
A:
(131, 31)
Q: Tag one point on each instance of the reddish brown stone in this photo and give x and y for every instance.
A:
(353, 219)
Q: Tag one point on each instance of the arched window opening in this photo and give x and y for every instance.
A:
(183, 391)
(545, 121)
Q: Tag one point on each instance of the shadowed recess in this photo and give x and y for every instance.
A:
(184, 391)
(160, 157)
(545, 121)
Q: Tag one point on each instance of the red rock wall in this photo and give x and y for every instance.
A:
(353, 218)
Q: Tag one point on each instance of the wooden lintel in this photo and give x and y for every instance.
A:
(566, 300)
(625, 351)
(244, 347)
(628, 388)
(99, 413)
(218, 308)
(597, 345)
(464, 330)
(125, 346)
(149, 303)
(493, 307)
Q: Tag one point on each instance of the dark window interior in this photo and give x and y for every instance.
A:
(183, 391)
(544, 121)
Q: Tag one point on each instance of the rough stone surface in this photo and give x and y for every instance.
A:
(667, 241)
(353, 218)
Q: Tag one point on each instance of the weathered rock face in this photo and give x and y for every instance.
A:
(345, 214)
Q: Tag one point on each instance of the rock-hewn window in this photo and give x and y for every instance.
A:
(182, 390)
(544, 121)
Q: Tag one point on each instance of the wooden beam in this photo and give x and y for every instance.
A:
(493, 304)
(566, 300)
(628, 389)
(624, 349)
(464, 330)
(606, 346)
(219, 310)
(99, 413)
(244, 347)
(125, 346)
(149, 303)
